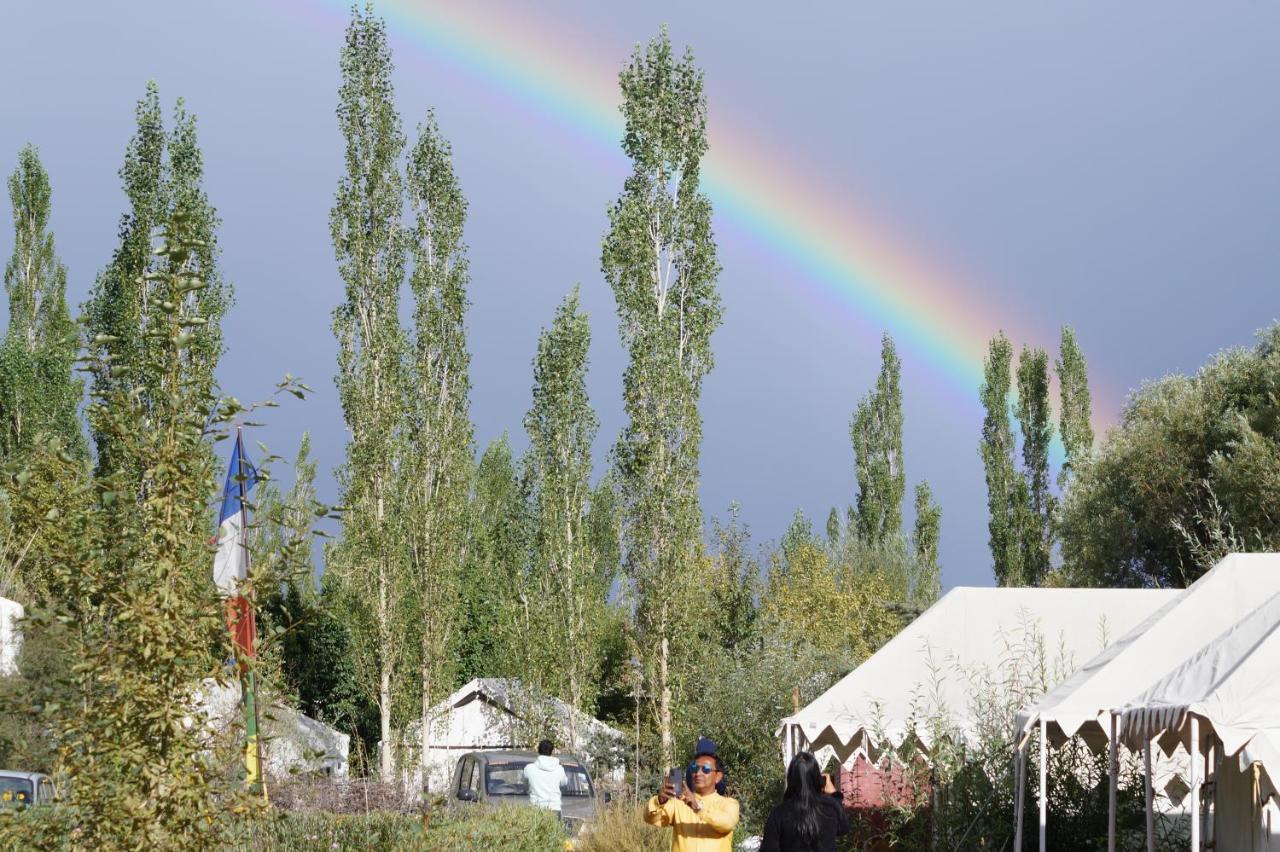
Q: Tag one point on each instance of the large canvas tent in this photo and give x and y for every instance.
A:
(1082, 704)
(927, 668)
(502, 713)
(1225, 699)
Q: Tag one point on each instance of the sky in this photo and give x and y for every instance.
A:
(939, 171)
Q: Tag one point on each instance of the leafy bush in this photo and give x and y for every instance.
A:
(490, 829)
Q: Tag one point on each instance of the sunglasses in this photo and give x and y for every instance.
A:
(706, 768)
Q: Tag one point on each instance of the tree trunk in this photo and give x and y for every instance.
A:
(424, 735)
(664, 705)
(385, 763)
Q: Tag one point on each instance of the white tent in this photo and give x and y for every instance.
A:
(10, 635)
(293, 745)
(926, 669)
(1227, 694)
(501, 713)
(1081, 705)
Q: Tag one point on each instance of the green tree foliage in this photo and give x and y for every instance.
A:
(493, 581)
(38, 394)
(924, 544)
(570, 581)
(659, 257)
(369, 246)
(1076, 413)
(1192, 472)
(130, 563)
(304, 653)
(162, 178)
(1004, 494)
(438, 442)
(735, 585)
(1035, 420)
(876, 432)
(43, 677)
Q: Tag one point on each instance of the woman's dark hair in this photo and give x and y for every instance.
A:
(803, 799)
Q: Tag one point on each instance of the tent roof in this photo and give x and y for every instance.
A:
(1233, 683)
(511, 696)
(1081, 703)
(930, 666)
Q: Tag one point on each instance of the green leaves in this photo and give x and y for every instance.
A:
(38, 393)
(876, 432)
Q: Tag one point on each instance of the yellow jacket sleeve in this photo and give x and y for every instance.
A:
(721, 813)
(659, 815)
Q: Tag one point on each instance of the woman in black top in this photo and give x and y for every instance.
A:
(812, 812)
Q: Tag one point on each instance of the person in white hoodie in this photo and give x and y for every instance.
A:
(544, 777)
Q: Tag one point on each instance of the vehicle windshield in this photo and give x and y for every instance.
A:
(15, 791)
(506, 778)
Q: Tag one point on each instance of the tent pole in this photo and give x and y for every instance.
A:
(1195, 784)
(1151, 815)
(1020, 786)
(1210, 805)
(1044, 780)
(1113, 777)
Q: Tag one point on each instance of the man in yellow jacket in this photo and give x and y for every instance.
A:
(701, 820)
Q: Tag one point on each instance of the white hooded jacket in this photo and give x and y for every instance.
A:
(545, 775)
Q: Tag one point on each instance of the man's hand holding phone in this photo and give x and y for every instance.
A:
(672, 786)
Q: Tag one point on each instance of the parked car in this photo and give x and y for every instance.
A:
(497, 778)
(18, 789)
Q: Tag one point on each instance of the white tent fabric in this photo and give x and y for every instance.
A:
(926, 669)
(10, 635)
(1232, 683)
(1081, 704)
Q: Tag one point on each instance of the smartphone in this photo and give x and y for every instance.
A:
(677, 782)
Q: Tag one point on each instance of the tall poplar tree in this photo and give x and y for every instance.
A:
(38, 394)
(162, 177)
(369, 245)
(924, 543)
(659, 257)
(1036, 423)
(1076, 413)
(573, 585)
(439, 446)
(876, 432)
(1003, 481)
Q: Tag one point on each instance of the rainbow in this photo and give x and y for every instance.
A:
(837, 251)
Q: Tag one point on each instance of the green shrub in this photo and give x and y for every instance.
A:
(490, 829)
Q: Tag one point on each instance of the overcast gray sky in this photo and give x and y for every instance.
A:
(1108, 166)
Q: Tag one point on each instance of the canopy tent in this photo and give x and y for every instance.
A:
(1224, 696)
(1137, 670)
(1081, 705)
(928, 668)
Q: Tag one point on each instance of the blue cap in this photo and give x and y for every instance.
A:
(705, 747)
